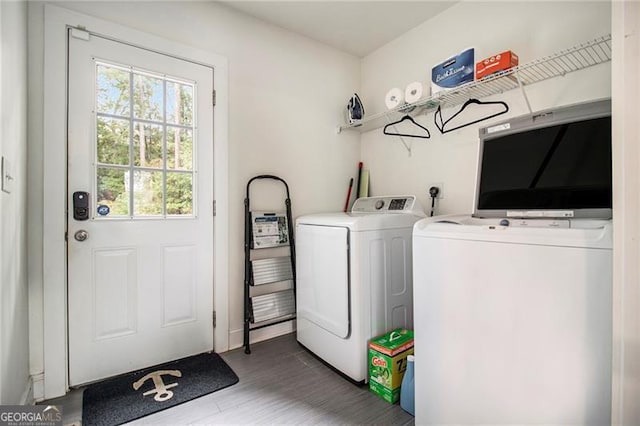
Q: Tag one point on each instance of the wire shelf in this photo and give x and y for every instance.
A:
(585, 55)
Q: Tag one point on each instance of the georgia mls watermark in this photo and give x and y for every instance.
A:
(30, 415)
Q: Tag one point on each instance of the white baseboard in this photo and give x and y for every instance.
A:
(236, 337)
(27, 395)
(37, 383)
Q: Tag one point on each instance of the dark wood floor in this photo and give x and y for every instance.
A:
(281, 383)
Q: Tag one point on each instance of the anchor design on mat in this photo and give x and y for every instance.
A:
(161, 390)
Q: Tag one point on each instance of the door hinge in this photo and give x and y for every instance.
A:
(213, 98)
(214, 207)
(80, 33)
(214, 319)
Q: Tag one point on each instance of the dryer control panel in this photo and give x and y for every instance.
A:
(388, 204)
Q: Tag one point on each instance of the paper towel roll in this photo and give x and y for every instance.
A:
(413, 92)
(394, 98)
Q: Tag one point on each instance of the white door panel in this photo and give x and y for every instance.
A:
(140, 142)
(322, 275)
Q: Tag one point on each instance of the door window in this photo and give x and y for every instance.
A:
(145, 144)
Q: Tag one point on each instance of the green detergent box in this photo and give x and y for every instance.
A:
(388, 362)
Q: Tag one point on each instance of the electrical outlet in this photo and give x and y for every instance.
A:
(440, 187)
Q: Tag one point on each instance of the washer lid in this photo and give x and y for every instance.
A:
(584, 233)
(372, 213)
(360, 222)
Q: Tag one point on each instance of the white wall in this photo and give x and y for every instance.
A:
(286, 93)
(531, 29)
(14, 338)
(626, 215)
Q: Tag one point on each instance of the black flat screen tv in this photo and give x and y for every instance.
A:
(550, 164)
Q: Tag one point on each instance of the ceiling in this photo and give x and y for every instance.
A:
(356, 27)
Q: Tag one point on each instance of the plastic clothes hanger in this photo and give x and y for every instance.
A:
(406, 117)
(442, 124)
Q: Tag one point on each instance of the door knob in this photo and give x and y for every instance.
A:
(81, 235)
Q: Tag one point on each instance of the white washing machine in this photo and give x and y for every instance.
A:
(514, 325)
(354, 278)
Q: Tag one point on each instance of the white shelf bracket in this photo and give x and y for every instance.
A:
(407, 147)
(524, 93)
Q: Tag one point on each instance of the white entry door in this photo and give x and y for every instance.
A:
(140, 208)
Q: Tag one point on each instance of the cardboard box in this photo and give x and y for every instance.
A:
(388, 362)
(453, 72)
(496, 63)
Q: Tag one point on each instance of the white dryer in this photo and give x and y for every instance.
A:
(354, 278)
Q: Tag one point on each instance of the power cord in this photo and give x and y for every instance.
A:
(433, 192)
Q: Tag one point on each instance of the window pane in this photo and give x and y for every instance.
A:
(179, 103)
(179, 194)
(147, 193)
(113, 91)
(179, 149)
(144, 143)
(147, 145)
(113, 191)
(148, 97)
(113, 141)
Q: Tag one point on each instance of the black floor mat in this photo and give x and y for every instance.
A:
(121, 399)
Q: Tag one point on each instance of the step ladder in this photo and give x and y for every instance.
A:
(269, 275)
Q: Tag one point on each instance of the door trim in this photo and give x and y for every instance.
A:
(57, 21)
